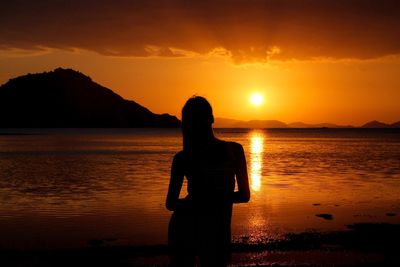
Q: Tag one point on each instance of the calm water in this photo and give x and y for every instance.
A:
(61, 188)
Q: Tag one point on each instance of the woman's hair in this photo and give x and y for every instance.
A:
(197, 118)
(197, 109)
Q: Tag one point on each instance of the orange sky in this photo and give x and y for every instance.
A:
(336, 61)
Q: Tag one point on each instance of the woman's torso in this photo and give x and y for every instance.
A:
(210, 173)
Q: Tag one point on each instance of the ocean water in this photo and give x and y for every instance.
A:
(68, 187)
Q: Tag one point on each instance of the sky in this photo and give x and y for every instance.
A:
(313, 61)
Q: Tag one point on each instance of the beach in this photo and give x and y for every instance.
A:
(361, 245)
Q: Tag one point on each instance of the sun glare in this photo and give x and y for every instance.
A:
(256, 99)
(256, 159)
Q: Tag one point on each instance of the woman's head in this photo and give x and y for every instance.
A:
(197, 111)
(197, 120)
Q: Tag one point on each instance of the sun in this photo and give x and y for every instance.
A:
(256, 99)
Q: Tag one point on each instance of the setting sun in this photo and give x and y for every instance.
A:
(256, 99)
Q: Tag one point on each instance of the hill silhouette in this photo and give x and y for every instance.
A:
(318, 125)
(68, 98)
(375, 124)
(378, 124)
(232, 123)
(395, 125)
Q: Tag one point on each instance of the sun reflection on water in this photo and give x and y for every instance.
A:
(256, 150)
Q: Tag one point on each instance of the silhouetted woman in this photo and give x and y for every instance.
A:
(201, 222)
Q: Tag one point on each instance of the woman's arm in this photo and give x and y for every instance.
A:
(175, 184)
(243, 193)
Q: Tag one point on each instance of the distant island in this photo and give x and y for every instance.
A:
(67, 98)
(231, 123)
(378, 124)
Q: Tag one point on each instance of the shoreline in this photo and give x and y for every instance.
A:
(371, 244)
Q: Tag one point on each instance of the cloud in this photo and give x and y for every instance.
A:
(245, 31)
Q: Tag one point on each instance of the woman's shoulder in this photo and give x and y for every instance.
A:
(232, 144)
(234, 147)
(179, 157)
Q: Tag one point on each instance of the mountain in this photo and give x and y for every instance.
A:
(318, 125)
(375, 124)
(226, 123)
(230, 123)
(378, 124)
(266, 124)
(298, 125)
(395, 125)
(68, 98)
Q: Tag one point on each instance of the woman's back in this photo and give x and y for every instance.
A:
(211, 173)
(201, 222)
(208, 206)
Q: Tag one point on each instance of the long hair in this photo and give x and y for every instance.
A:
(197, 119)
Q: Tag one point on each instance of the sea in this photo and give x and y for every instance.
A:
(68, 188)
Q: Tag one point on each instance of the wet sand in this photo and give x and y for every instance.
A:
(363, 244)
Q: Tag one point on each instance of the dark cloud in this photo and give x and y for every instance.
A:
(248, 30)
